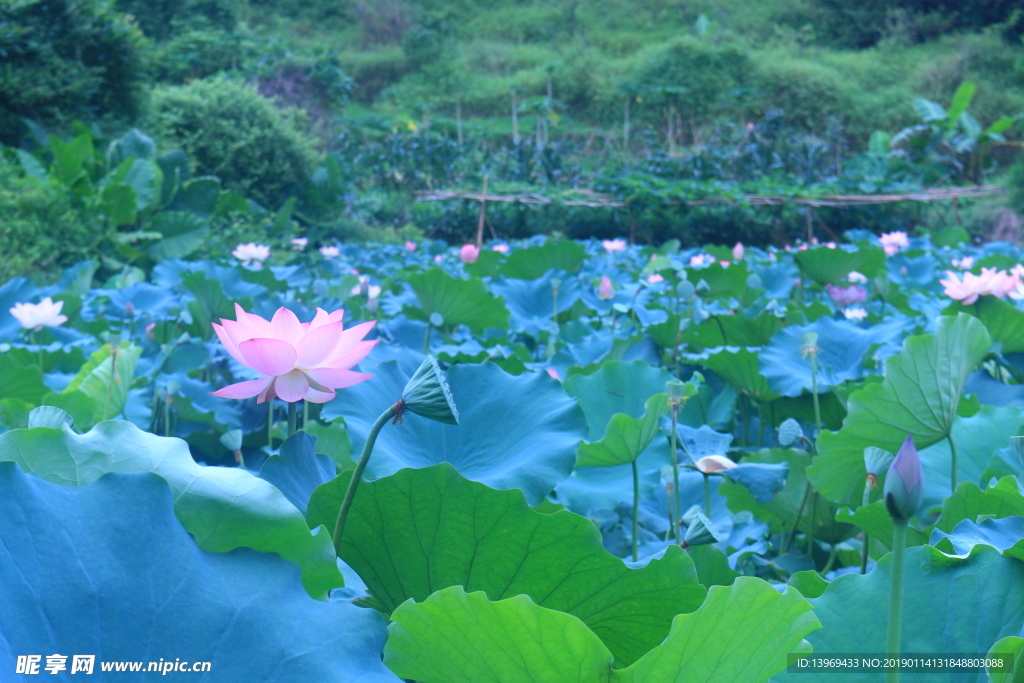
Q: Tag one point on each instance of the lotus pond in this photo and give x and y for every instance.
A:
(547, 461)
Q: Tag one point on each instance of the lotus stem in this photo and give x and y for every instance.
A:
(814, 521)
(292, 408)
(426, 339)
(952, 451)
(831, 560)
(636, 505)
(350, 492)
(814, 394)
(270, 425)
(892, 641)
(305, 414)
(707, 495)
(799, 514)
(867, 540)
(673, 503)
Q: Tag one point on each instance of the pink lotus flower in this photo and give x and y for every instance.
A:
(893, 242)
(252, 254)
(437, 258)
(737, 252)
(998, 283)
(701, 260)
(330, 252)
(1017, 270)
(605, 290)
(614, 245)
(300, 243)
(469, 253)
(411, 246)
(965, 263)
(35, 317)
(296, 360)
(364, 281)
(845, 296)
(150, 334)
(856, 314)
(500, 248)
(553, 374)
(655, 278)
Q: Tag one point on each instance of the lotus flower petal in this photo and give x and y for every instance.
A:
(245, 389)
(316, 344)
(336, 378)
(291, 386)
(269, 357)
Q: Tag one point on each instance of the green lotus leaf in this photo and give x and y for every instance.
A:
(106, 378)
(740, 367)
(742, 632)
(532, 303)
(616, 387)
(458, 302)
(1005, 535)
(106, 569)
(919, 396)
(1004, 499)
(223, 508)
(950, 605)
(1003, 321)
(876, 521)
(625, 437)
(1012, 647)
(733, 330)
(534, 262)
(419, 531)
(830, 266)
(723, 282)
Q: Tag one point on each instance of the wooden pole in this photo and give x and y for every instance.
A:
(458, 117)
(482, 217)
(625, 127)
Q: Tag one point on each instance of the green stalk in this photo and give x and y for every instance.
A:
(350, 492)
(799, 514)
(673, 503)
(426, 340)
(892, 641)
(864, 550)
(305, 415)
(707, 495)
(270, 425)
(814, 520)
(814, 393)
(636, 504)
(292, 407)
(831, 560)
(952, 451)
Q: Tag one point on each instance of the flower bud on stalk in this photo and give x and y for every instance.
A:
(904, 489)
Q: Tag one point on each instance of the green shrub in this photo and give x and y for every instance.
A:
(66, 59)
(42, 228)
(229, 130)
(160, 19)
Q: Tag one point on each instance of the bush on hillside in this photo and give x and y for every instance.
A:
(229, 130)
(66, 60)
(160, 19)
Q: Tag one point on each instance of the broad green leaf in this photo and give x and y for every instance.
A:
(458, 302)
(513, 432)
(742, 633)
(333, 440)
(961, 100)
(625, 437)
(145, 178)
(209, 304)
(118, 204)
(723, 282)
(532, 263)
(297, 469)
(1004, 322)
(418, 531)
(929, 110)
(831, 266)
(950, 605)
(532, 303)
(1009, 647)
(106, 569)
(223, 508)
(1005, 499)
(106, 378)
(23, 382)
(712, 566)
(198, 195)
(919, 396)
(739, 367)
(733, 330)
(70, 160)
(182, 233)
(876, 521)
(14, 413)
(616, 387)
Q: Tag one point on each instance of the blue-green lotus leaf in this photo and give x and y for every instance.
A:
(534, 262)
(298, 469)
(825, 265)
(698, 442)
(106, 569)
(616, 387)
(514, 431)
(950, 605)
(223, 508)
(458, 302)
(1001, 534)
(763, 479)
(532, 303)
(786, 365)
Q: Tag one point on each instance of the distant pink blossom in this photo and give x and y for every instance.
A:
(35, 317)
(295, 360)
(469, 253)
(998, 283)
(614, 245)
(299, 243)
(364, 281)
(893, 242)
(411, 246)
(252, 254)
(605, 290)
(701, 260)
(1018, 271)
(967, 262)
(655, 278)
(737, 252)
(330, 252)
(150, 334)
(725, 264)
(846, 296)
(500, 248)
(554, 374)
(437, 258)
(856, 314)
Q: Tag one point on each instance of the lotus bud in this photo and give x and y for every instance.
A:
(1018, 446)
(703, 285)
(790, 432)
(605, 290)
(714, 464)
(737, 252)
(700, 531)
(686, 290)
(876, 461)
(427, 394)
(232, 440)
(754, 281)
(904, 486)
(469, 253)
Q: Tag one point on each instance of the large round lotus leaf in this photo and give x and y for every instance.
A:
(298, 469)
(457, 302)
(919, 396)
(732, 330)
(223, 508)
(825, 265)
(1002, 534)
(616, 387)
(723, 281)
(739, 367)
(786, 362)
(1004, 499)
(106, 569)
(419, 531)
(532, 263)
(625, 437)
(533, 303)
(513, 432)
(1002, 319)
(742, 632)
(950, 605)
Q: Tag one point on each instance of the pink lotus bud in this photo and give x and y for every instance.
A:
(904, 488)
(737, 252)
(500, 248)
(411, 246)
(553, 373)
(149, 331)
(299, 243)
(605, 290)
(469, 253)
(655, 278)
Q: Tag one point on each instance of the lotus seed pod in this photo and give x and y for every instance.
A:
(686, 290)
(904, 486)
(232, 440)
(790, 432)
(436, 319)
(555, 283)
(754, 281)
(700, 531)
(877, 460)
(427, 394)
